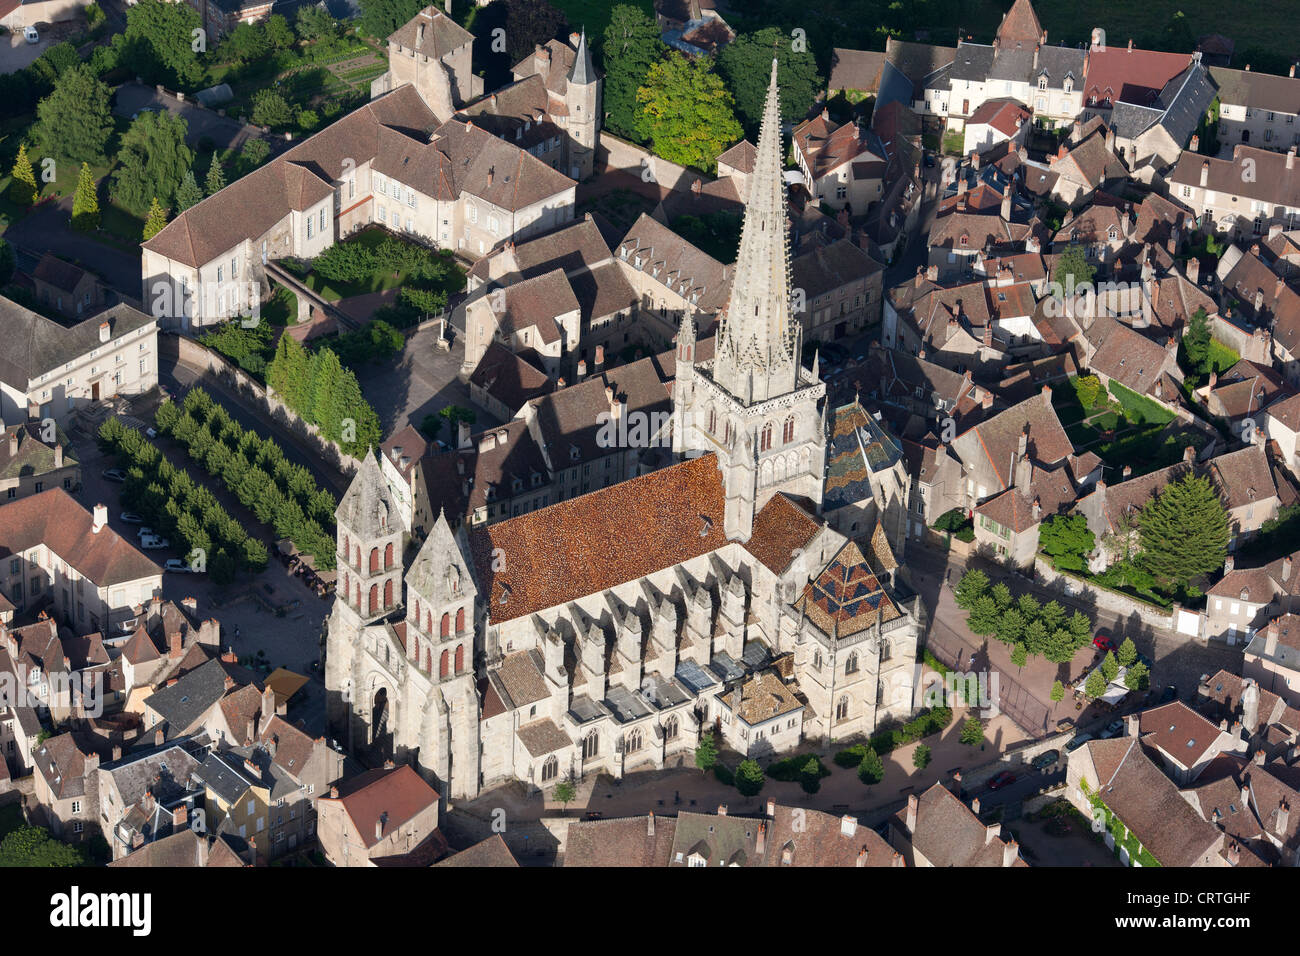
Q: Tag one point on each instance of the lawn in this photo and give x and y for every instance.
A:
(333, 290)
(953, 143)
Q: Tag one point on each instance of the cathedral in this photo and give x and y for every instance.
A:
(607, 632)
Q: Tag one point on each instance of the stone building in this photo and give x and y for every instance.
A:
(606, 631)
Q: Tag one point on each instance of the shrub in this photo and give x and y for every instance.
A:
(749, 778)
(921, 757)
(851, 756)
(810, 777)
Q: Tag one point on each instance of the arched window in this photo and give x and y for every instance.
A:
(428, 620)
(460, 620)
(787, 430)
(415, 648)
(445, 627)
(713, 421)
(346, 549)
(765, 441)
(388, 593)
(356, 557)
(444, 662)
(670, 728)
(388, 555)
(590, 745)
(347, 590)
(817, 659)
(550, 769)
(851, 667)
(460, 658)
(632, 743)
(885, 650)
(374, 560)
(842, 709)
(428, 660)
(374, 598)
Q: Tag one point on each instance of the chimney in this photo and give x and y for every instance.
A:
(230, 682)
(1010, 853)
(1038, 510)
(1228, 562)
(1130, 47)
(334, 793)
(1189, 454)
(986, 400)
(1286, 568)
(179, 816)
(988, 335)
(492, 173)
(250, 734)
(1195, 144)
(862, 857)
(1283, 818)
(174, 644)
(600, 357)
(1131, 725)
(158, 737)
(1110, 138)
(1046, 392)
(582, 370)
(463, 439)
(722, 809)
(992, 832)
(105, 331)
(975, 806)
(1270, 638)
(1192, 269)
(1205, 173)
(1290, 158)
(1292, 71)
(116, 752)
(650, 824)
(920, 276)
(100, 519)
(848, 825)
(771, 809)
(761, 845)
(268, 707)
(379, 826)
(1127, 472)
(932, 273)
(137, 840)
(13, 442)
(1006, 203)
(912, 804)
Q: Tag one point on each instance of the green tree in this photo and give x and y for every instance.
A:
(1073, 270)
(1019, 655)
(1095, 685)
(33, 846)
(565, 791)
(1080, 628)
(1067, 539)
(871, 769)
(1137, 677)
(1184, 531)
(1011, 626)
(746, 65)
(314, 23)
(94, 15)
(154, 160)
(921, 757)
(1088, 390)
(1128, 652)
(379, 18)
(530, 22)
(1058, 691)
(749, 777)
(972, 732)
(74, 122)
(278, 33)
(1001, 595)
(983, 616)
(1059, 646)
(973, 584)
(1109, 666)
(216, 178)
(706, 753)
(188, 192)
(688, 111)
(1196, 343)
(22, 186)
(245, 43)
(253, 154)
(632, 45)
(85, 204)
(160, 43)
(271, 109)
(155, 220)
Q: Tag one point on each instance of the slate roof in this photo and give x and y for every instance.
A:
(490, 852)
(183, 703)
(763, 697)
(1273, 183)
(543, 737)
(431, 33)
(41, 345)
(182, 849)
(855, 70)
(1259, 91)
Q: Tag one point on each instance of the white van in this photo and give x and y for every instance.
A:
(31, 35)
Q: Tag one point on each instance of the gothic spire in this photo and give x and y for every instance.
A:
(583, 72)
(758, 342)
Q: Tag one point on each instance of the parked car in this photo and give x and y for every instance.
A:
(130, 517)
(114, 474)
(1046, 760)
(151, 432)
(179, 566)
(1005, 779)
(1171, 693)
(31, 36)
(1113, 729)
(1104, 642)
(1078, 741)
(154, 543)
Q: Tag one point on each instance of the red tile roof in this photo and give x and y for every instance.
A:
(400, 793)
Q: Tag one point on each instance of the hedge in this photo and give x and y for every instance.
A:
(923, 725)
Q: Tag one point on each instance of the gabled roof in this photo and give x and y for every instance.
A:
(782, 530)
(431, 33)
(37, 345)
(393, 796)
(846, 597)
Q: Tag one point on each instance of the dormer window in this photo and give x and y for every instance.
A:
(574, 454)
(1042, 82)
(516, 485)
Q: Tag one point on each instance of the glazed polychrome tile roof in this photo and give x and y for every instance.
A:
(846, 598)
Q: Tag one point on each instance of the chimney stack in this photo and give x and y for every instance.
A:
(650, 824)
(761, 845)
(100, 519)
(913, 803)
(105, 331)
(1205, 173)
(722, 809)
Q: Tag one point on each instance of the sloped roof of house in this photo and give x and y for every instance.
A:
(1126, 356)
(393, 796)
(431, 33)
(622, 841)
(781, 530)
(947, 833)
(856, 70)
(846, 597)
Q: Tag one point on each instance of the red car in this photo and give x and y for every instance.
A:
(1004, 779)
(1103, 643)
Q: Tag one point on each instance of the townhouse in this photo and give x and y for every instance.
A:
(1241, 196)
(1258, 109)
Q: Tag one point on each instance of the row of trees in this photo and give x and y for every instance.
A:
(282, 495)
(321, 391)
(1029, 626)
(177, 506)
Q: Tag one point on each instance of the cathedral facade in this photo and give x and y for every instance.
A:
(605, 633)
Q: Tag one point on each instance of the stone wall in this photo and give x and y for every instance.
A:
(260, 400)
(1078, 589)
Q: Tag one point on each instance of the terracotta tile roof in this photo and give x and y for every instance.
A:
(826, 268)
(519, 113)
(1179, 731)
(1273, 183)
(519, 679)
(1133, 76)
(54, 518)
(508, 377)
(855, 70)
(998, 438)
(587, 544)
(490, 852)
(803, 837)
(947, 833)
(740, 157)
(625, 841)
(1243, 476)
(763, 697)
(291, 747)
(535, 303)
(400, 793)
(1150, 805)
(781, 529)
(1127, 356)
(846, 597)
(573, 247)
(492, 169)
(431, 33)
(826, 147)
(183, 849)
(673, 262)
(241, 707)
(1004, 115)
(603, 291)
(542, 737)
(1020, 27)
(496, 468)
